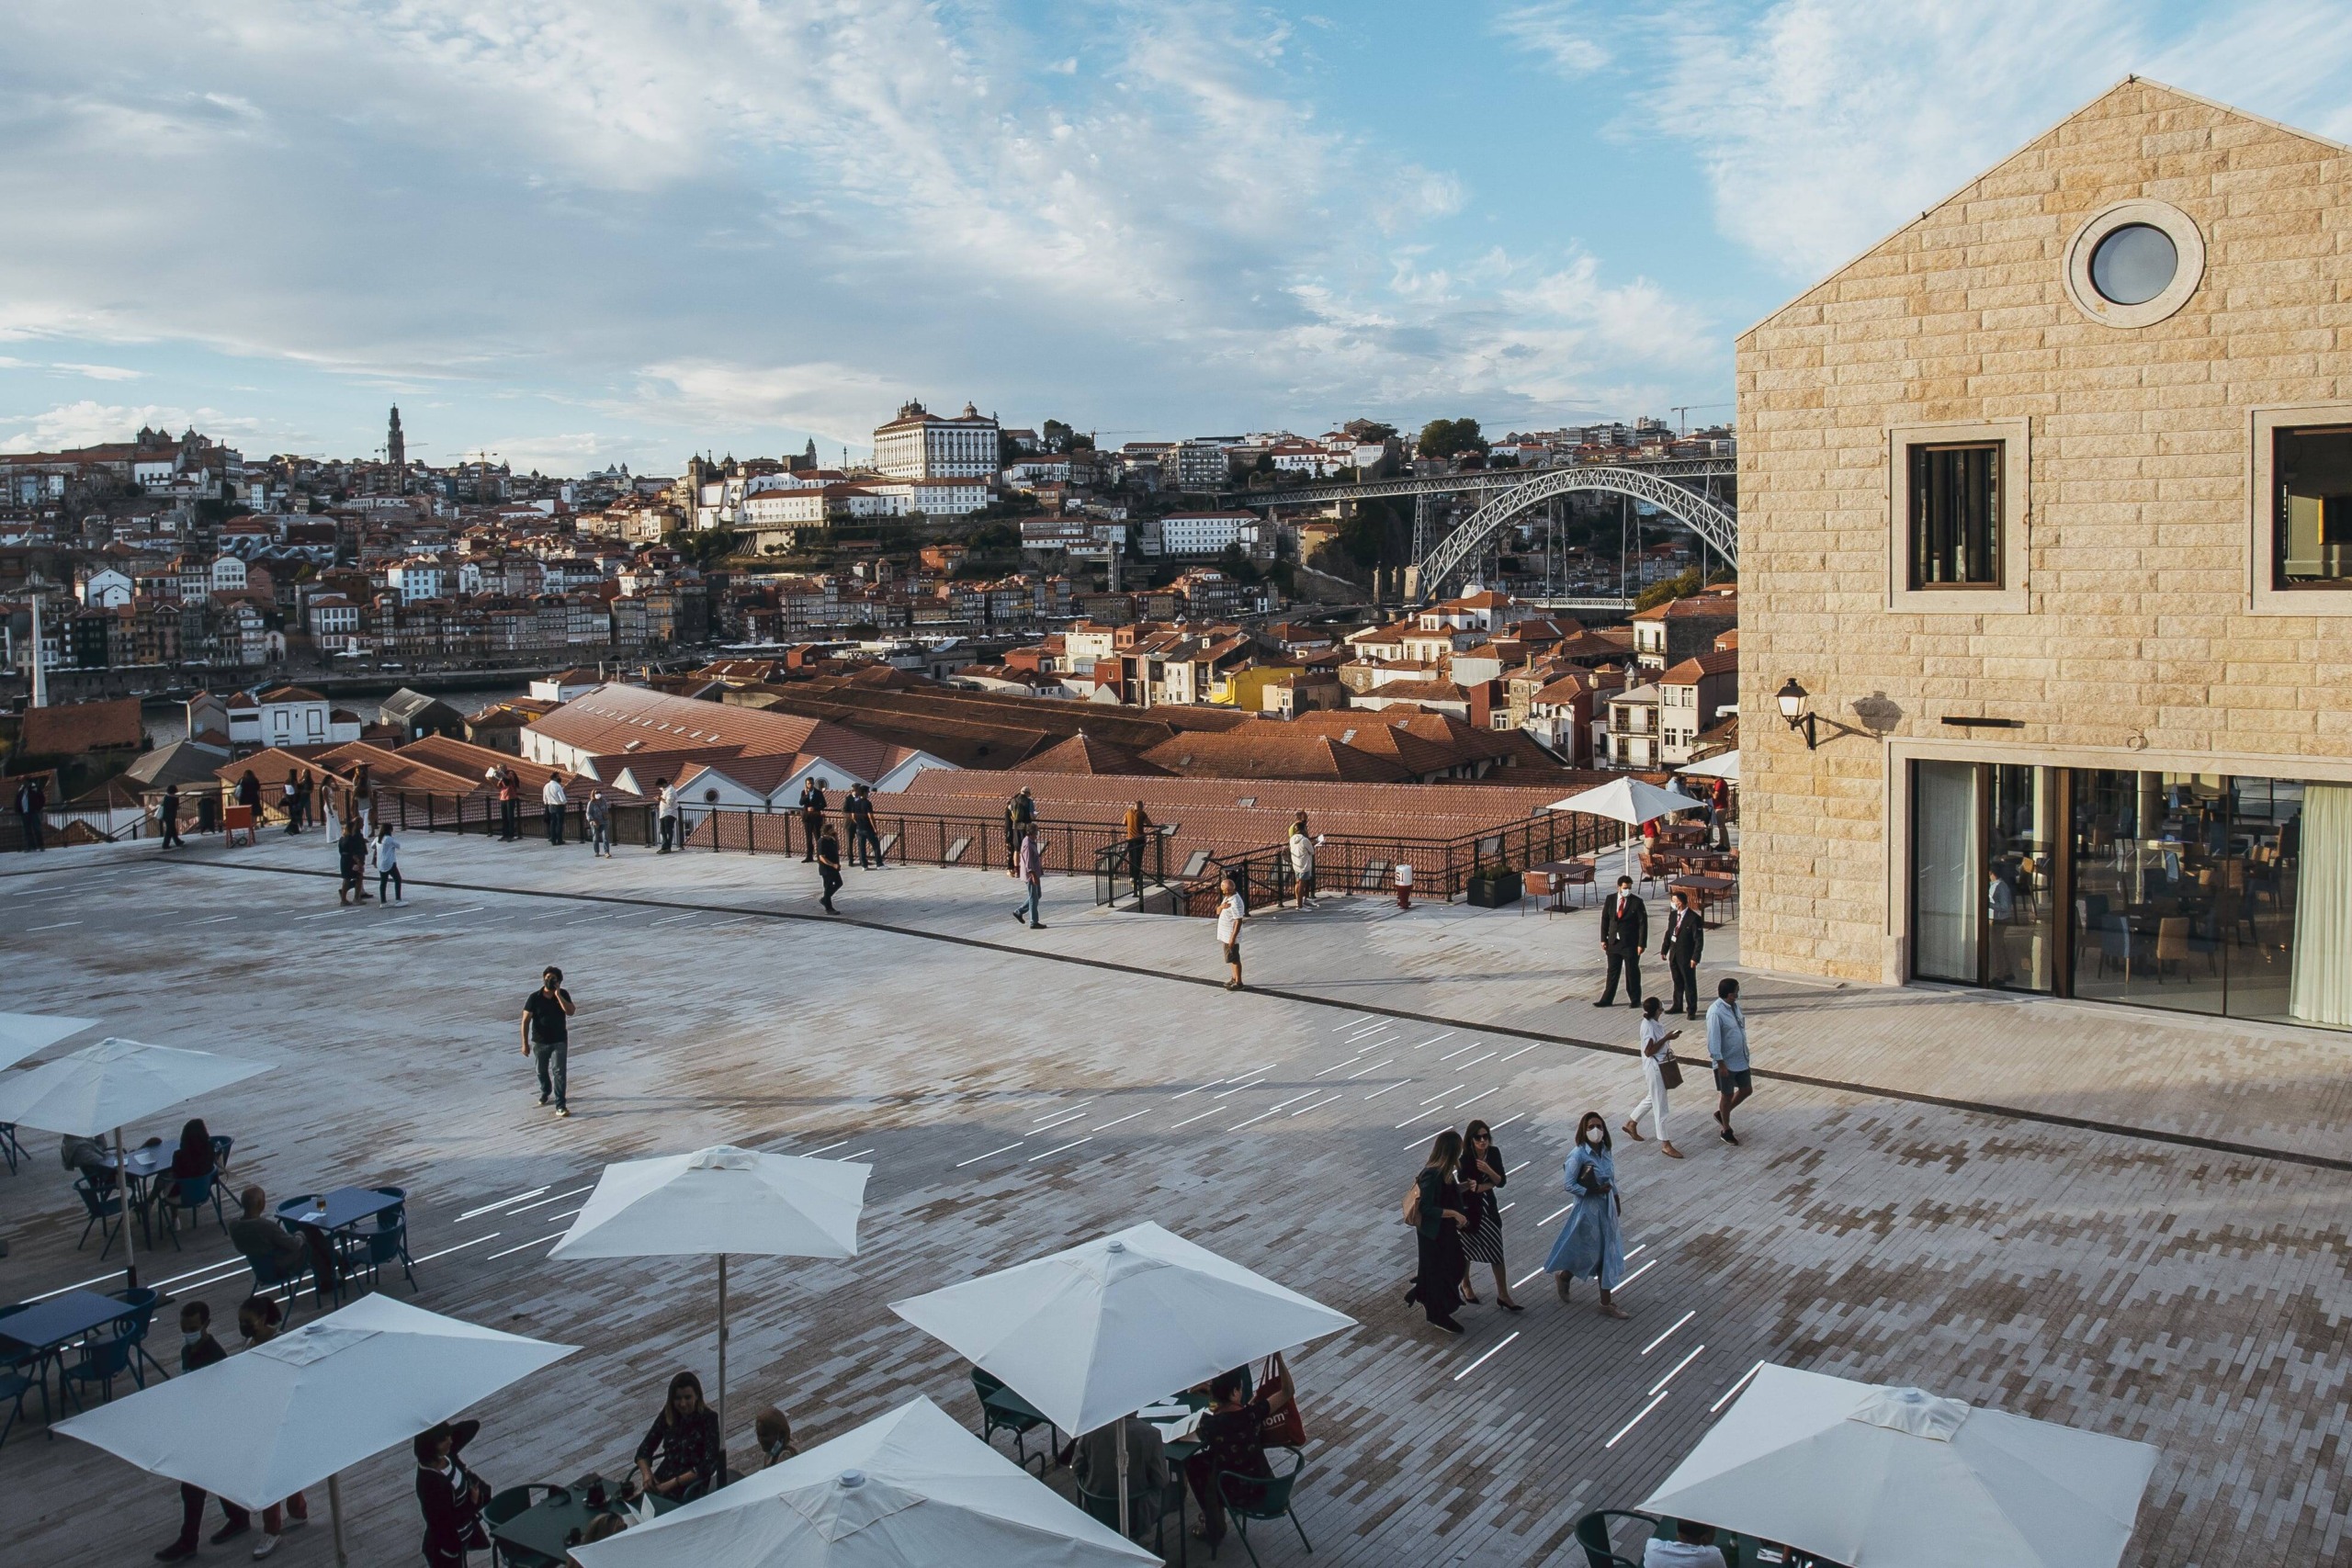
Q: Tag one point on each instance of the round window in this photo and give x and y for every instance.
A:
(2134, 263)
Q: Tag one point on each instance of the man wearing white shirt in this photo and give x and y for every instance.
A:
(1692, 1547)
(1231, 911)
(554, 800)
(668, 812)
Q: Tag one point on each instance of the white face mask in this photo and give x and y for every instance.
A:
(1594, 1135)
(193, 1338)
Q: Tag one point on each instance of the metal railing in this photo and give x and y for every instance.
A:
(1442, 867)
(1118, 867)
(904, 838)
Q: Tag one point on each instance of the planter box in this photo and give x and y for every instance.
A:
(1494, 892)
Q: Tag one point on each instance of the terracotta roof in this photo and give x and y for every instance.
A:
(1269, 752)
(1711, 606)
(1082, 753)
(291, 694)
(1691, 670)
(604, 721)
(76, 728)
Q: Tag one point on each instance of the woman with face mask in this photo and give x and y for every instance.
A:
(1592, 1242)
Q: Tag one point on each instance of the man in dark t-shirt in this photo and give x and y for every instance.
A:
(547, 1037)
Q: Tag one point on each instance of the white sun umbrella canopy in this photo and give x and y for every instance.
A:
(720, 1200)
(22, 1033)
(911, 1487)
(311, 1402)
(1628, 800)
(1091, 1333)
(101, 1088)
(1884, 1477)
(1724, 766)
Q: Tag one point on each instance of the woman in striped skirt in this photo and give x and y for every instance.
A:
(1482, 1241)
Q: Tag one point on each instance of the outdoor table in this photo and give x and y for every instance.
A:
(45, 1328)
(143, 1167)
(1571, 873)
(545, 1526)
(1705, 888)
(344, 1208)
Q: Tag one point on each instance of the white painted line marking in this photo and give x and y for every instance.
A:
(1637, 1251)
(1677, 1367)
(61, 925)
(856, 1154)
(459, 1247)
(1433, 1039)
(1435, 1097)
(1114, 1122)
(1190, 1120)
(486, 1208)
(1482, 1360)
(469, 909)
(1351, 1022)
(1236, 1089)
(828, 1146)
(1555, 1215)
(1514, 1116)
(992, 1153)
(1524, 1278)
(1061, 1115)
(1636, 1421)
(1522, 1050)
(1295, 1098)
(1260, 1117)
(1337, 1065)
(1046, 1126)
(321, 915)
(545, 1202)
(1375, 1094)
(1317, 1106)
(1744, 1380)
(1522, 1165)
(1474, 1100)
(214, 921)
(1197, 1088)
(673, 919)
(1506, 1208)
(1668, 1334)
(1636, 1274)
(1050, 1152)
(509, 1251)
(1463, 1052)
(1374, 1068)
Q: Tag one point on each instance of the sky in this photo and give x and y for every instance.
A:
(578, 232)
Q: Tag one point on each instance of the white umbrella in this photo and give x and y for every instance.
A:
(721, 1199)
(1724, 766)
(22, 1033)
(1091, 1333)
(1879, 1477)
(261, 1426)
(911, 1487)
(1630, 801)
(102, 1087)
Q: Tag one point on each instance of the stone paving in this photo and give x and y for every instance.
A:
(2122, 1221)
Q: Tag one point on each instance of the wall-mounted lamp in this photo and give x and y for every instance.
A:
(1796, 708)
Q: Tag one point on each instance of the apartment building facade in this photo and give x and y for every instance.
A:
(2046, 511)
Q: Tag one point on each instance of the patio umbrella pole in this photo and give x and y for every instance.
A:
(722, 1368)
(1123, 1476)
(122, 1188)
(334, 1512)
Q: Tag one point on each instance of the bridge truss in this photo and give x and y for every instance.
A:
(1448, 560)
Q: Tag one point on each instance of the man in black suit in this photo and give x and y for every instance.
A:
(1625, 936)
(1685, 941)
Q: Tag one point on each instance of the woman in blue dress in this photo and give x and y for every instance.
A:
(1592, 1242)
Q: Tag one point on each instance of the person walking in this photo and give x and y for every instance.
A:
(1625, 934)
(1019, 812)
(388, 865)
(547, 1037)
(510, 806)
(305, 798)
(32, 801)
(1483, 1175)
(351, 859)
(859, 809)
(450, 1496)
(1727, 1049)
(199, 1350)
(1684, 943)
(1302, 861)
(1591, 1242)
(1232, 908)
(290, 800)
(1031, 866)
(828, 863)
(812, 814)
(666, 808)
(1434, 1210)
(168, 813)
(1139, 825)
(599, 817)
(1658, 1064)
(554, 803)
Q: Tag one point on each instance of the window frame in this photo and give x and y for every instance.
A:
(1912, 454)
(2010, 595)
(2266, 596)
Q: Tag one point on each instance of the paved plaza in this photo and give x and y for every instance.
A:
(2119, 1220)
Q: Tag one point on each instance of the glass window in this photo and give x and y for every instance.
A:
(2020, 878)
(2312, 512)
(2135, 265)
(1956, 516)
(1945, 876)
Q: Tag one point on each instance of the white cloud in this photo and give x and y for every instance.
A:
(98, 372)
(89, 421)
(1558, 33)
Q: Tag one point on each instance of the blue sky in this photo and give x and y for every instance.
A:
(579, 232)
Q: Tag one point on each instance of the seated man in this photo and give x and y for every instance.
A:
(1229, 1441)
(275, 1249)
(1096, 1465)
(1693, 1546)
(86, 1157)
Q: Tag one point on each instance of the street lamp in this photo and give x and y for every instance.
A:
(1796, 707)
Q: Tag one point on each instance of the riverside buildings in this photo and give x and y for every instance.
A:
(2046, 505)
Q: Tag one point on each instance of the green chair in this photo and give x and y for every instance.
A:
(1592, 1534)
(1248, 1498)
(1144, 1506)
(504, 1505)
(1002, 1410)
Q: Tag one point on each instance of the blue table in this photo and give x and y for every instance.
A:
(143, 1165)
(45, 1328)
(342, 1209)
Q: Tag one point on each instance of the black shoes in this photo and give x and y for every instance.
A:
(1449, 1324)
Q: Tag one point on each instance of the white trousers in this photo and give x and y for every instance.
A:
(1653, 1104)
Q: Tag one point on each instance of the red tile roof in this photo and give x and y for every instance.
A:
(76, 728)
(1696, 668)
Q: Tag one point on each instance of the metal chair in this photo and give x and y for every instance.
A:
(222, 1144)
(268, 1272)
(106, 1355)
(1248, 1498)
(387, 1243)
(106, 1212)
(10, 1150)
(144, 1299)
(1003, 1412)
(1144, 1506)
(19, 1375)
(506, 1504)
(1592, 1534)
(188, 1194)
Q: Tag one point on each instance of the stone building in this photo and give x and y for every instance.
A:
(2047, 515)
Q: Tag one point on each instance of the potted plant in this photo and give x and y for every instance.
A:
(1492, 886)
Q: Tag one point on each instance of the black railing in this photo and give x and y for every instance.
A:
(1127, 866)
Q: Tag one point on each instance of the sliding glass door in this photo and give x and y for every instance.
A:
(1984, 907)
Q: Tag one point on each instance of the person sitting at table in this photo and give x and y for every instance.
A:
(602, 1526)
(774, 1429)
(87, 1157)
(451, 1496)
(685, 1436)
(1693, 1546)
(195, 1157)
(1096, 1464)
(265, 1242)
(1230, 1441)
(257, 1321)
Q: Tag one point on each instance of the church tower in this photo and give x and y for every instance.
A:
(396, 453)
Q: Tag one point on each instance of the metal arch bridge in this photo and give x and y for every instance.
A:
(1468, 541)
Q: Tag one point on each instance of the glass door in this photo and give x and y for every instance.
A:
(1947, 857)
(1985, 874)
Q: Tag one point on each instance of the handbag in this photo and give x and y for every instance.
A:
(1413, 1206)
(1669, 1072)
(1283, 1428)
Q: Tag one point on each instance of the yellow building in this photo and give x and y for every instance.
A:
(2046, 542)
